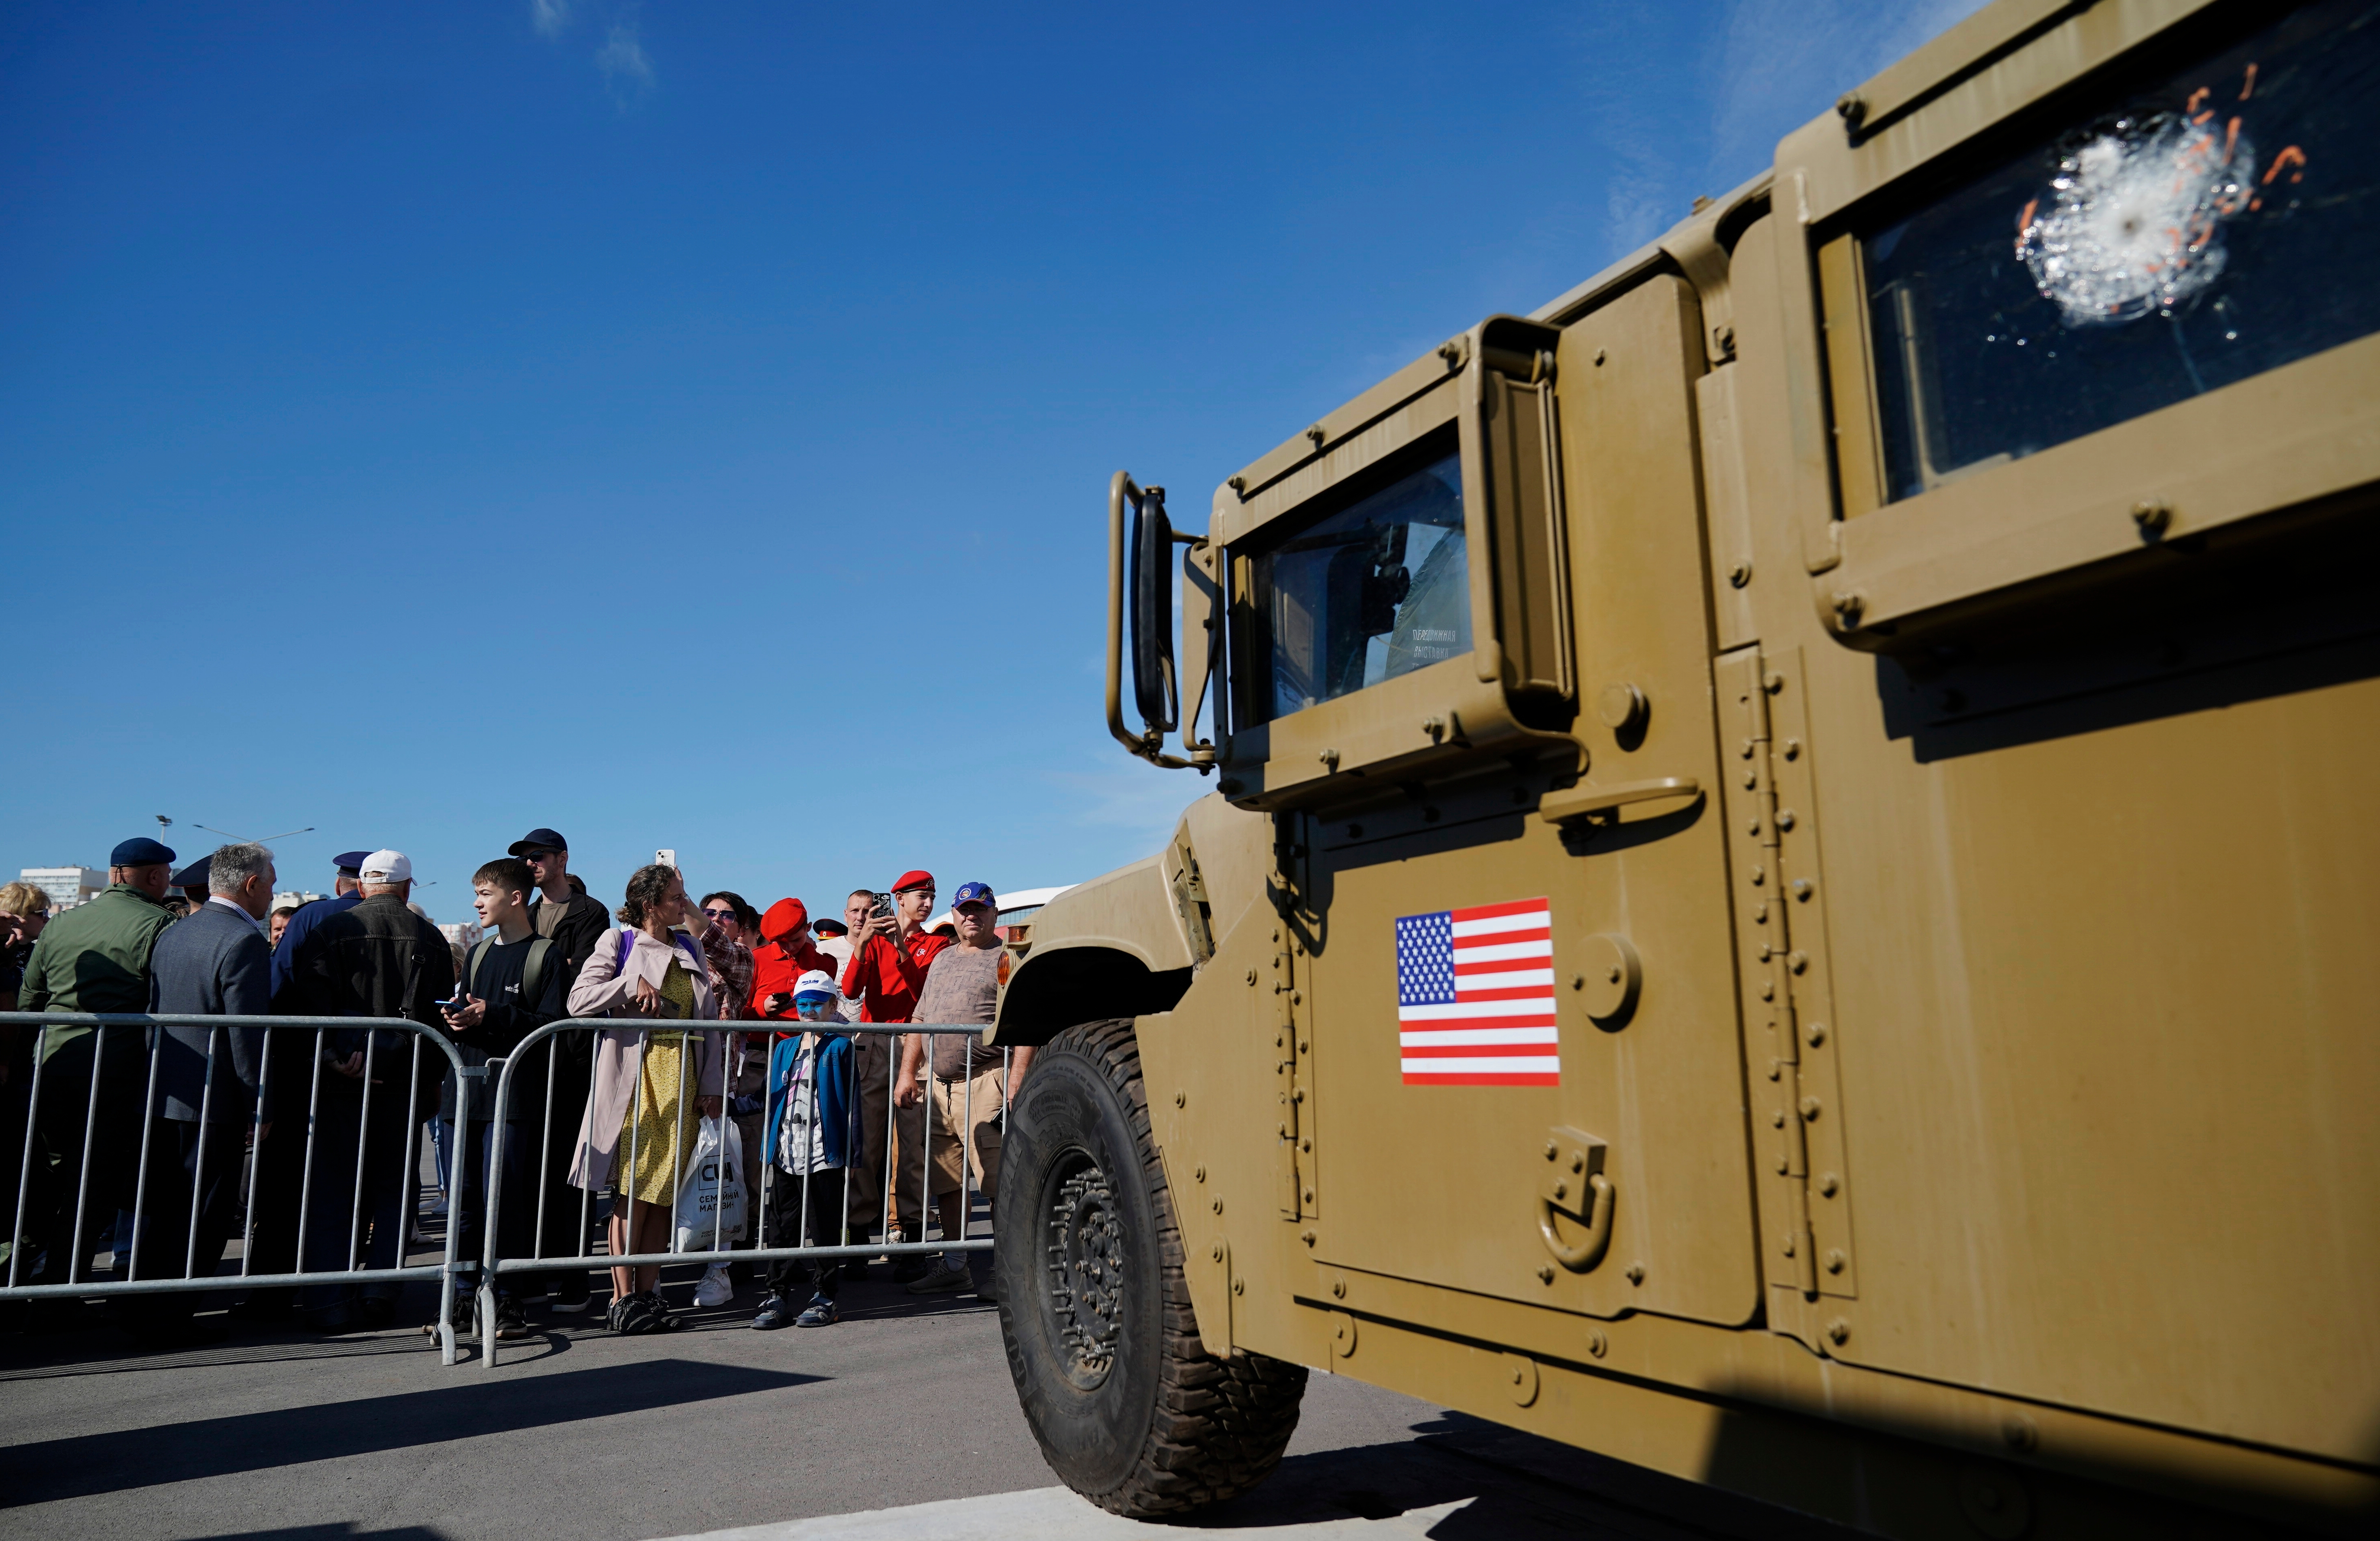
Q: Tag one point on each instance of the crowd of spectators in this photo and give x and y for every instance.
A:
(155, 1147)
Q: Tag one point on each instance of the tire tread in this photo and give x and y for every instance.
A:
(1220, 1425)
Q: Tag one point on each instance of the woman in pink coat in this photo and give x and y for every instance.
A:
(638, 1131)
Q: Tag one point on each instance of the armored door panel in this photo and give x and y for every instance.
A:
(1500, 1004)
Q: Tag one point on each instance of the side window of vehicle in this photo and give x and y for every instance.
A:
(1363, 592)
(2213, 227)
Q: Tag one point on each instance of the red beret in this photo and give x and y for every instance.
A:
(785, 918)
(913, 879)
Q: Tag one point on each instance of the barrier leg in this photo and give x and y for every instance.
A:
(306, 1162)
(199, 1162)
(129, 1268)
(686, 1070)
(82, 1176)
(454, 1234)
(25, 1172)
(256, 1137)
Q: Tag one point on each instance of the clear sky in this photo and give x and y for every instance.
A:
(690, 424)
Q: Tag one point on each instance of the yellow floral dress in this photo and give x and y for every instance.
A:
(653, 1116)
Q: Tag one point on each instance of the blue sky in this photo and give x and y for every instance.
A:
(688, 425)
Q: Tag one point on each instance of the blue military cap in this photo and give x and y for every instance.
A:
(139, 851)
(350, 862)
(194, 875)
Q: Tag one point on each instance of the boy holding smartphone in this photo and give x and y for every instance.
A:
(513, 982)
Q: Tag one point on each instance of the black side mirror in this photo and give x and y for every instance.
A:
(1153, 684)
(1144, 586)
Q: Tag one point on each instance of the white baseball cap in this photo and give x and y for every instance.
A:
(387, 866)
(815, 982)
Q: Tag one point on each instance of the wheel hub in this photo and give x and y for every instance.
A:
(1086, 1274)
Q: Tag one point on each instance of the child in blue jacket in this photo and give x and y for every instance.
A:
(811, 1132)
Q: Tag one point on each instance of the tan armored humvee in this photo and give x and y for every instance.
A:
(1788, 893)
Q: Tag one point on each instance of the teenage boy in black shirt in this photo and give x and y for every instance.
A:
(513, 982)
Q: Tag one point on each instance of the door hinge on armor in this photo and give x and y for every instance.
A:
(1796, 1097)
(1285, 1078)
(1292, 1020)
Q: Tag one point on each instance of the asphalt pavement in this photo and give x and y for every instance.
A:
(899, 1421)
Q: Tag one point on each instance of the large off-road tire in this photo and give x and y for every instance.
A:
(1131, 1411)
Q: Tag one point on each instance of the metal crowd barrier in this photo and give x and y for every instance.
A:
(493, 1266)
(126, 1270)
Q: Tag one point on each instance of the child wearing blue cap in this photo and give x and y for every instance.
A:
(812, 1131)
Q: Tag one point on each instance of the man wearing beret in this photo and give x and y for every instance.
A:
(889, 959)
(94, 958)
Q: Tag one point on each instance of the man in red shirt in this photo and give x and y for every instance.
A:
(889, 958)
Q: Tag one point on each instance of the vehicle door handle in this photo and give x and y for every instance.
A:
(1585, 802)
(1574, 1170)
(1588, 1253)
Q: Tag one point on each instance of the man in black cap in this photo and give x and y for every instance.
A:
(94, 958)
(577, 923)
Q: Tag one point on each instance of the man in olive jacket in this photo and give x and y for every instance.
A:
(93, 958)
(378, 959)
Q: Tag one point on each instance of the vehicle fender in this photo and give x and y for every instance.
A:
(1106, 948)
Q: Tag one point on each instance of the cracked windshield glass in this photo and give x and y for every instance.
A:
(1375, 590)
(2216, 226)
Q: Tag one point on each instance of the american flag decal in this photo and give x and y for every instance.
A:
(1476, 997)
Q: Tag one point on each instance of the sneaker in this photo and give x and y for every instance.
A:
(616, 1318)
(638, 1314)
(512, 1322)
(908, 1267)
(819, 1313)
(942, 1280)
(715, 1290)
(985, 1291)
(572, 1297)
(775, 1312)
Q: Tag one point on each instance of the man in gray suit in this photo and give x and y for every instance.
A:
(213, 963)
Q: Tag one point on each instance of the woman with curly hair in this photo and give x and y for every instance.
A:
(637, 1134)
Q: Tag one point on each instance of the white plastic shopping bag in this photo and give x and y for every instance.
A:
(710, 1201)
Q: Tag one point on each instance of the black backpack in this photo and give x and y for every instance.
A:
(532, 972)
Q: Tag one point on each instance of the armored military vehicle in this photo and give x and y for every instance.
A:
(1788, 891)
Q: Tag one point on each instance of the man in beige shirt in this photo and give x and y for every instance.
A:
(970, 1087)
